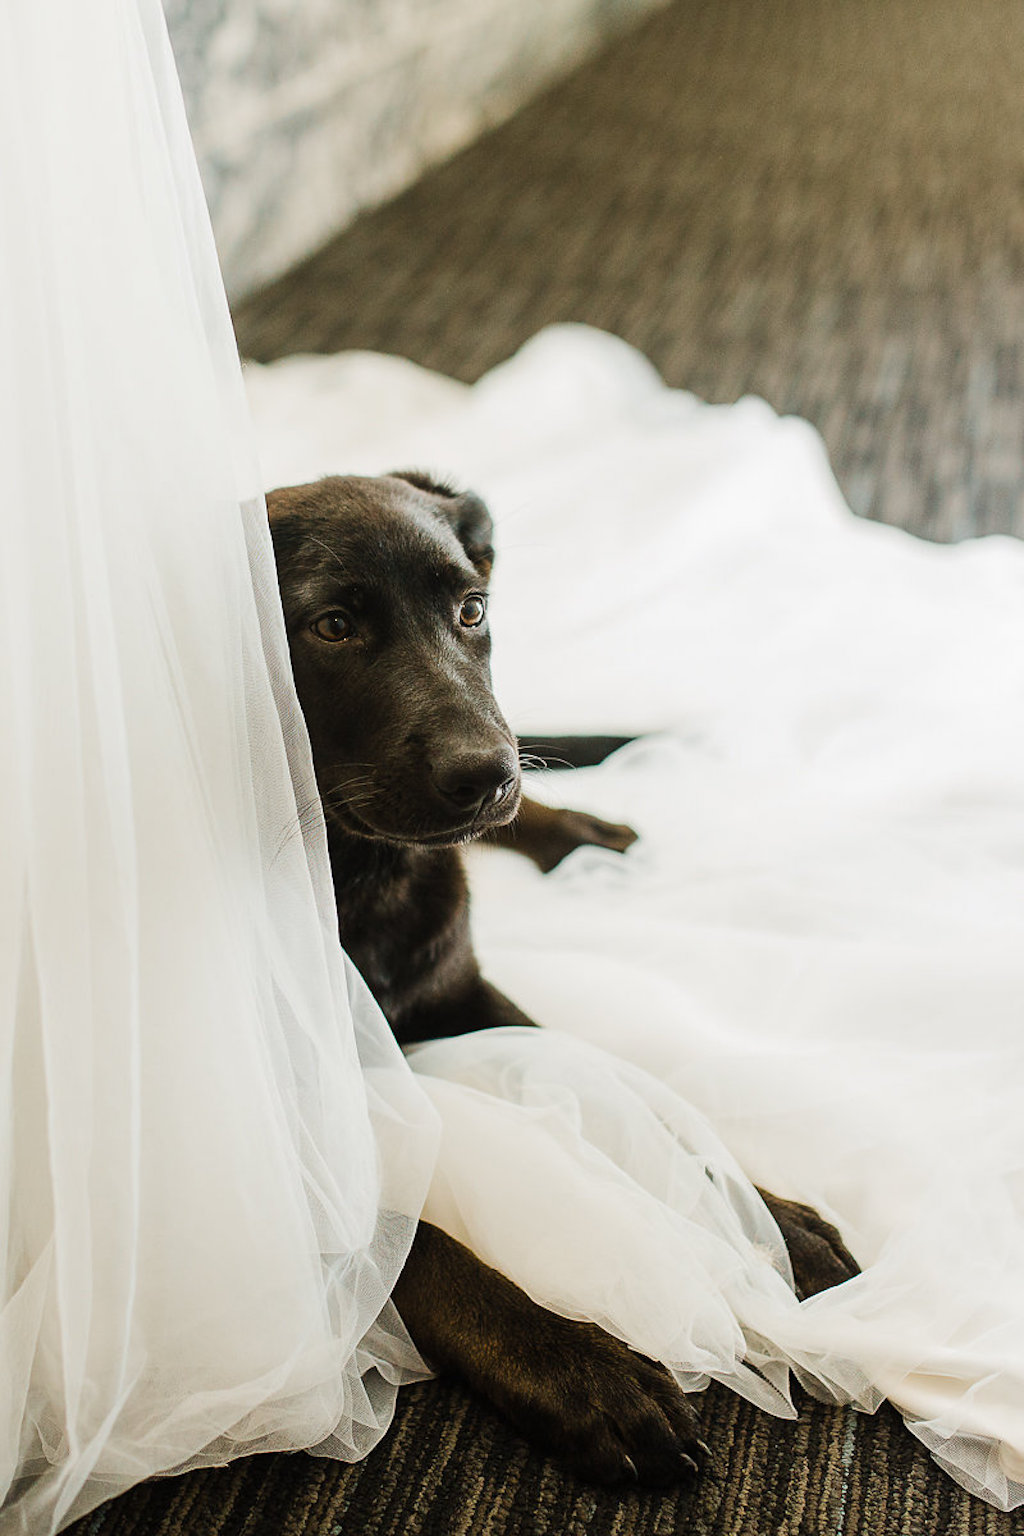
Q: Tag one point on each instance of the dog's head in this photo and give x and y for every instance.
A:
(384, 587)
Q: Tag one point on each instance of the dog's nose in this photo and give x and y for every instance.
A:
(475, 780)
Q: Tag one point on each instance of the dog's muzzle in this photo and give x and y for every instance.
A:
(476, 784)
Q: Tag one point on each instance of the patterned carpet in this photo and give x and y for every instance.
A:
(819, 203)
(449, 1467)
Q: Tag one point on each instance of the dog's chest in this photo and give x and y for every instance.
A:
(403, 917)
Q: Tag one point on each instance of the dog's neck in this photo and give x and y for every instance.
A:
(358, 863)
(356, 860)
(403, 918)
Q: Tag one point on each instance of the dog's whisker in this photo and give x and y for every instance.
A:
(357, 781)
(531, 760)
(306, 816)
(312, 812)
(349, 786)
(352, 796)
(353, 781)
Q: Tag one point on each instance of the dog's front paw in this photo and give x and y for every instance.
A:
(578, 829)
(818, 1254)
(571, 1389)
(611, 1415)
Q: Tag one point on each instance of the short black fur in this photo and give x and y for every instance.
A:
(383, 583)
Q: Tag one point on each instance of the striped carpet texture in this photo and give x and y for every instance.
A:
(449, 1467)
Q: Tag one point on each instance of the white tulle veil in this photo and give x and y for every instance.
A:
(212, 1154)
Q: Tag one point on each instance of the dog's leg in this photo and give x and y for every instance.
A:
(546, 833)
(477, 1006)
(819, 1257)
(569, 1388)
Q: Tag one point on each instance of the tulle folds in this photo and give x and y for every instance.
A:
(815, 944)
(214, 1156)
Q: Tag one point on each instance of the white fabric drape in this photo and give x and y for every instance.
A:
(211, 1153)
(818, 944)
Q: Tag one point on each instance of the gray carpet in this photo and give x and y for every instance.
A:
(450, 1468)
(821, 201)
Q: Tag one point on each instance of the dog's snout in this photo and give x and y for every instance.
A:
(473, 781)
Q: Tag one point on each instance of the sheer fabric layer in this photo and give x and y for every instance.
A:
(816, 945)
(213, 1155)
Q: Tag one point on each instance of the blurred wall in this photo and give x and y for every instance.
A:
(305, 111)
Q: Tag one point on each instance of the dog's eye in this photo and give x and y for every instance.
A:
(472, 611)
(334, 626)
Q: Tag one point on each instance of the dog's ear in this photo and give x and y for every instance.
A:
(465, 512)
(288, 500)
(278, 503)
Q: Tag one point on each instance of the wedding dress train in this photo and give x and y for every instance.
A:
(815, 948)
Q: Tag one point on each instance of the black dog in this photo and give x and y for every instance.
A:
(384, 586)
